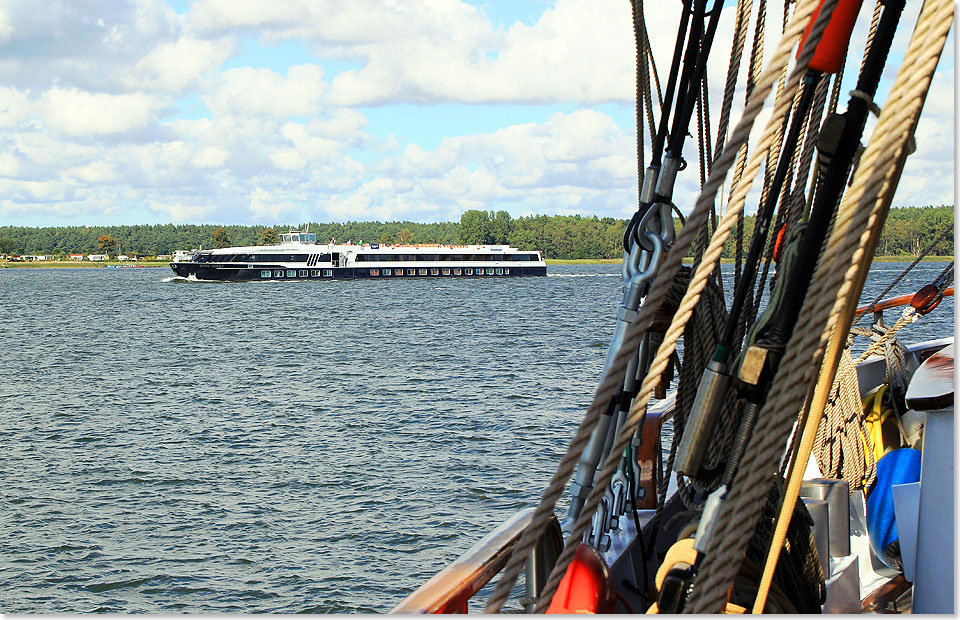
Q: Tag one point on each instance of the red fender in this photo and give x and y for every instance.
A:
(586, 587)
(832, 49)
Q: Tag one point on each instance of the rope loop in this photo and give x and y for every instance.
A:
(866, 98)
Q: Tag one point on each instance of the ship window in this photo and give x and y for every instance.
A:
(278, 274)
(291, 273)
(457, 272)
(421, 272)
(434, 272)
(386, 272)
(411, 272)
(479, 272)
(489, 271)
(468, 271)
(446, 272)
(303, 273)
(506, 271)
(398, 272)
(327, 273)
(279, 258)
(314, 273)
(265, 274)
(374, 272)
(499, 271)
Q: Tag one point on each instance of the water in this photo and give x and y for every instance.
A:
(284, 447)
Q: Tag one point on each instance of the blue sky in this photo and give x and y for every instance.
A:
(240, 111)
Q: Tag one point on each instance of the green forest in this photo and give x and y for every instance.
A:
(908, 231)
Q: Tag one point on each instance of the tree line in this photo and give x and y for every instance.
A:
(908, 231)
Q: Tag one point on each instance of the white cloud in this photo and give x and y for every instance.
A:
(14, 106)
(448, 50)
(36, 191)
(6, 29)
(209, 157)
(223, 15)
(267, 206)
(287, 159)
(88, 92)
(179, 213)
(260, 92)
(173, 66)
(9, 165)
(78, 113)
(467, 60)
(96, 172)
(91, 46)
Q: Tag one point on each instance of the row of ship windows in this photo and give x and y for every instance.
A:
(377, 258)
(367, 258)
(328, 273)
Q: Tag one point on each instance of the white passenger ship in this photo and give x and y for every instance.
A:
(299, 257)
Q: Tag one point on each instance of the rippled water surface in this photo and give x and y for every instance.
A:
(284, 447)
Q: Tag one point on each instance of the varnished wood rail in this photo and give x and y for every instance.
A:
(448, 591)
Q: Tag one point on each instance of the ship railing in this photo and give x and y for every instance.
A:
(449, 591)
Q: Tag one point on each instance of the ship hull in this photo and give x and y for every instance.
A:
(233, 273)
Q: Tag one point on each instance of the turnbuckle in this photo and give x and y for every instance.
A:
(640, 266)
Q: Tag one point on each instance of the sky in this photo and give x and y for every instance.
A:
(253, 112)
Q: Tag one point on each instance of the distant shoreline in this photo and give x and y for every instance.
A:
(687, 261)
(79, 264)
(550, 261)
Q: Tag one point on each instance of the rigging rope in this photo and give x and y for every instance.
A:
(780, 58)
(839, 444)
(832, 297)
(908, 268)
(613, 379)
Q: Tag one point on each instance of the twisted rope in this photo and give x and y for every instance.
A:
(856, 231)
(838, 445)
(699, 280)
(908, 316)
(744, 8)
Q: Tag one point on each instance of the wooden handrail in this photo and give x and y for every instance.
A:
(449, 590)
(895, 302)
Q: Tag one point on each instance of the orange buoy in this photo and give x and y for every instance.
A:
(585, 587)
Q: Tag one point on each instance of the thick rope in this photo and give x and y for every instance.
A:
(874, 24)
(744, 8)
(860, 211)
(753, 73)
(878, 196)
(908, 316)
(838, 446)
(699, 280)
